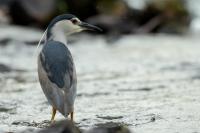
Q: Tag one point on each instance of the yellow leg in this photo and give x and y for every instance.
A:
(53, 114)
(72, 116)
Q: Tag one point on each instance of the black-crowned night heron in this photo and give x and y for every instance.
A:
(56, 69)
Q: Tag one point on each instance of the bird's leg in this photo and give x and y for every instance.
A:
(72, 116)
(53, 114)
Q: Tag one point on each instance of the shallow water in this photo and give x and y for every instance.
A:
(149, 83)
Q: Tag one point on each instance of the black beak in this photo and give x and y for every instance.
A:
(87, 26)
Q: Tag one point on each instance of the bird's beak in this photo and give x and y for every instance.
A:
(87, 26)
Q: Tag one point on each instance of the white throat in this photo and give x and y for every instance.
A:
(58, 34)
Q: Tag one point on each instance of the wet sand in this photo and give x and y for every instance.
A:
(148, 83)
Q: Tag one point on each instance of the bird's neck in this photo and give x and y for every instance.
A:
(58, 34)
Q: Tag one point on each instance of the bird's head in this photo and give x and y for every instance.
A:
(69, 24)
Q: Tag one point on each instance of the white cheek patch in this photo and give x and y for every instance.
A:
(68, 26)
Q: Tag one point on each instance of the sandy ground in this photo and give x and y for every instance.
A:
(149, 83)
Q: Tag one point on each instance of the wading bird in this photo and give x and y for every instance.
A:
(56, 69)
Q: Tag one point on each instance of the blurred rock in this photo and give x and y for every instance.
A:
(4, 18)
(4, 9)
(115, 17)
(4, 68)
(26, 12)
(113, 25)
(168, 16)
(64, 126)
(110, 128)
(81, 8)
(112, 7)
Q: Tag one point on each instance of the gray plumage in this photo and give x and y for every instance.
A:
(56, 69)
(57, 76)
(57, 61)
(56, 72)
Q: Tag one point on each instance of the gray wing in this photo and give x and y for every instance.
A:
(57, 61)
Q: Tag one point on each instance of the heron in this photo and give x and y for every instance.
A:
(56, 68)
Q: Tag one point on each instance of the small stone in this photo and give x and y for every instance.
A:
(4, 68)
(110, 129)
